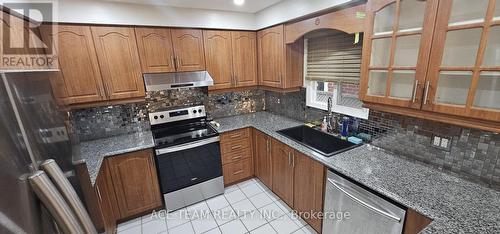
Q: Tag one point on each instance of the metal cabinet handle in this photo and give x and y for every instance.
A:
(293, 160)
(289, 159)
(361, 202)
(238, 172)
(427, 85)
(415, 91)
(98, 192)
(235, 136)
(267, 146)
(236, 147)
(179, 63)
(237, 157)
(173, 62)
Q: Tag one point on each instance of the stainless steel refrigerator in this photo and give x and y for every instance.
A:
(32, 129)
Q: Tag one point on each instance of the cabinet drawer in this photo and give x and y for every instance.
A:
(236, 155)
(234, 146)
(237, 171)
(236, 135)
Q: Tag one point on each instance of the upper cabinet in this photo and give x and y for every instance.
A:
(396, 51)
(155, 49)
(116, 49)
(464, 70)
(280, 65)
(231, 58)
(79, 79)
(457, 80)
(244, 46)
(188, 49)
(218, 54)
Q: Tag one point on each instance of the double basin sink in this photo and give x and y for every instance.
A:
(321, 142)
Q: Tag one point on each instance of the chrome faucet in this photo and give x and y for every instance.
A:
(329, 117)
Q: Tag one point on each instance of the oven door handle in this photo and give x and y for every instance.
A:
(186, 146)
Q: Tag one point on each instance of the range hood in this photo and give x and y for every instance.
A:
(165, 81)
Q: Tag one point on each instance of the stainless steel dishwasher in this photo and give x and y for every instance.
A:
(351, 209)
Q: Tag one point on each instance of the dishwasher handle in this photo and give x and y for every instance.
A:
(363, 203)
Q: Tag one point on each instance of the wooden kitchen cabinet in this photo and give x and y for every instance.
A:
(188, 49)
(279, 65)
(262, 158)
(308, 188)
(283, 171)
(79, 79)
(456, 82)
(155, 49)
(116, 49)
(135, 183)
(218, 54)
(231, 58)
(236, 152)
(244, 50)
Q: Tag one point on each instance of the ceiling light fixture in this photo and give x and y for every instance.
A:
(239, 2)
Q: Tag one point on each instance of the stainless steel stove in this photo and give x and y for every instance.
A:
(188, 156)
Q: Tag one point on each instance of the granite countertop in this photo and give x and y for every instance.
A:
(454, 204)
(93, 152)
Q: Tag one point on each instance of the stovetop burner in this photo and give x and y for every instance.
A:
(180, 126)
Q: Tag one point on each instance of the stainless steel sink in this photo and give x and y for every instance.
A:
(324, 143)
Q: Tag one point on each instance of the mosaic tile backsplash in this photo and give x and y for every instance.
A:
(101, 122)
(474, 154)
(217, 104)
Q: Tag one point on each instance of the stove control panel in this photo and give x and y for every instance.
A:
(177, 115)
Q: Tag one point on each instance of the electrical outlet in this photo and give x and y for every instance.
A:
(436, 141)
(440, 142)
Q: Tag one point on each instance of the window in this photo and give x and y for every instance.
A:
(332, 69)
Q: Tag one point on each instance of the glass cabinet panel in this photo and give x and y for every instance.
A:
(496, 15)
(488, 90)
(402, 84)
(492, 52)
(406, 53)
(384, 20)
(377, 83)
(381, 52)
(413, 15)
(453, 87)
(467, 11)
(461, 47)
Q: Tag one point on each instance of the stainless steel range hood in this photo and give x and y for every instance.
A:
(164, 81)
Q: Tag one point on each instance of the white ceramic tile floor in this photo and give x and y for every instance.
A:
(259, 210)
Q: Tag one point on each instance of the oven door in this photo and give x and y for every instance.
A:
(185, 165)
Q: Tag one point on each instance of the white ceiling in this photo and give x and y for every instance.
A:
(250, 6)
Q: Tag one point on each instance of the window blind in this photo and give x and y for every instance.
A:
(333, 56)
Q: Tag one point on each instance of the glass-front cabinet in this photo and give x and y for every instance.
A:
(440, 56)
(464, 67)
(396, 50)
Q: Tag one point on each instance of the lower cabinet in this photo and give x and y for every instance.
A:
(236, 152)
(126, 186)
(135, 183)
(283, 169)
(296, 178)
(309, 187)
(262, 158)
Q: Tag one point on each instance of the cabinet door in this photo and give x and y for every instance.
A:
(116, 49)
(155, 49)
(135, 182)
(271, 51)
(218, 57)
(464, 73)
(282, 167)
(106, 198)
(188, 49)
(263, 158)
(79, 79)
(396, 51)
(309, 179)
(244, 58)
